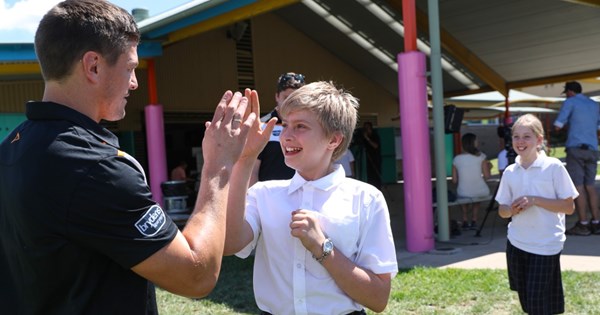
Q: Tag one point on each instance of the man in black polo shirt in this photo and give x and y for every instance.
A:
(79, 232)
(270, 163)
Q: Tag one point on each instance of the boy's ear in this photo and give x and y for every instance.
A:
(335, 140)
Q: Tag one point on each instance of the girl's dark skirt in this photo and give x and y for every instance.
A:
(537, 279)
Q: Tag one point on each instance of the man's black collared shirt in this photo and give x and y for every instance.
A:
(75, 215)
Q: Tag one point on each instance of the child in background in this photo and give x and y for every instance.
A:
(323, 241)
(470, 169)
(347, 162)
(502, 161)
(535, 192)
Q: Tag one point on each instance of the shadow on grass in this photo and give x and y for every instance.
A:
(234, 287)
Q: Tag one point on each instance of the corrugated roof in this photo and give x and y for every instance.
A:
(498, 44)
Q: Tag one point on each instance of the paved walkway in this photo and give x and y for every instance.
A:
(580, 253)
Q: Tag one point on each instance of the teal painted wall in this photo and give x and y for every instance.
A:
(389, 172)
(127, 141)
(8, 122)
(449, 146)
(388, 155)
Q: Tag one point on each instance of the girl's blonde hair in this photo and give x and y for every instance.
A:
(532, 122)
(529, 120)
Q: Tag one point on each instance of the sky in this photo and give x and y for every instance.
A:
(19, 18)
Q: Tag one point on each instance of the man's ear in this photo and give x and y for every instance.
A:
(90, 63)
(277, 100)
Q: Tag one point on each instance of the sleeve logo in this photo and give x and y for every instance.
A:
(276, 132)
(152, 221)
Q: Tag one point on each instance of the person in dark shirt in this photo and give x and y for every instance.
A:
(79, 230)
(372, 146)
(270, 163)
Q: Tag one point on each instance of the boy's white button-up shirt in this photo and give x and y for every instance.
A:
(287, 279)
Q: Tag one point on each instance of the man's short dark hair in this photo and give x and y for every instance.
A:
(572, 86)
(290, 80)
(74, 27)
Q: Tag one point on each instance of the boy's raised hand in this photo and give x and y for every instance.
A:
(257, 136)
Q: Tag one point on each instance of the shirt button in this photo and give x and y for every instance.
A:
(298, 266)
(299, 301)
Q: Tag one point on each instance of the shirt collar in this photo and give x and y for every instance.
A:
(55, 111)
(324, 183)
(538, 161)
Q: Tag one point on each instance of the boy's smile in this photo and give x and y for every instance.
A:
(290, 150)
(305, 146)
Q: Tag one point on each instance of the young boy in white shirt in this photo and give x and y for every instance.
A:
(323, 241)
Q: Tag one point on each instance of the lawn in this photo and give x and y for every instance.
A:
(414, 291)
(557, 152)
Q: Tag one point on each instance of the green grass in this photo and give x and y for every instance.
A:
(232, 295)
(414, 291)
(557, 152)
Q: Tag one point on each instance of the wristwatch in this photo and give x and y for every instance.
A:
(327, 248)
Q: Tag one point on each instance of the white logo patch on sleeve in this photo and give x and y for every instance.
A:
(152, 221)
(276, 132)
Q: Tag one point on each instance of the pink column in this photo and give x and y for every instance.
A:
(155, 139)
(416, 163)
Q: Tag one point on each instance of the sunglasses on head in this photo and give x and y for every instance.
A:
(290, 80)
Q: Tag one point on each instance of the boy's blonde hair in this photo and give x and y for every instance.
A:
(336, 110)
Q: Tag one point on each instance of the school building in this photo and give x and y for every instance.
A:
(191, 54)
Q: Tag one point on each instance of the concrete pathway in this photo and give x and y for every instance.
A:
(581, 253)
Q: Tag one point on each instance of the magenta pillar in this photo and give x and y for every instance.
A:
(157, 160)
(416, 163)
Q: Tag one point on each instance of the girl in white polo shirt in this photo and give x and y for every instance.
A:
(535, 192)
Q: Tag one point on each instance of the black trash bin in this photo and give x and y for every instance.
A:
(175, 196)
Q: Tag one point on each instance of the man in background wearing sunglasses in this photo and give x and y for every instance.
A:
(271, 163)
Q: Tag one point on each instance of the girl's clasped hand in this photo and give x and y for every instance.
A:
(521, 204)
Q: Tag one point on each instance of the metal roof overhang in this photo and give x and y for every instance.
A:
(18, 60)
(497, 44)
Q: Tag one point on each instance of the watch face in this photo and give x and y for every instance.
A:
(328, 246)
